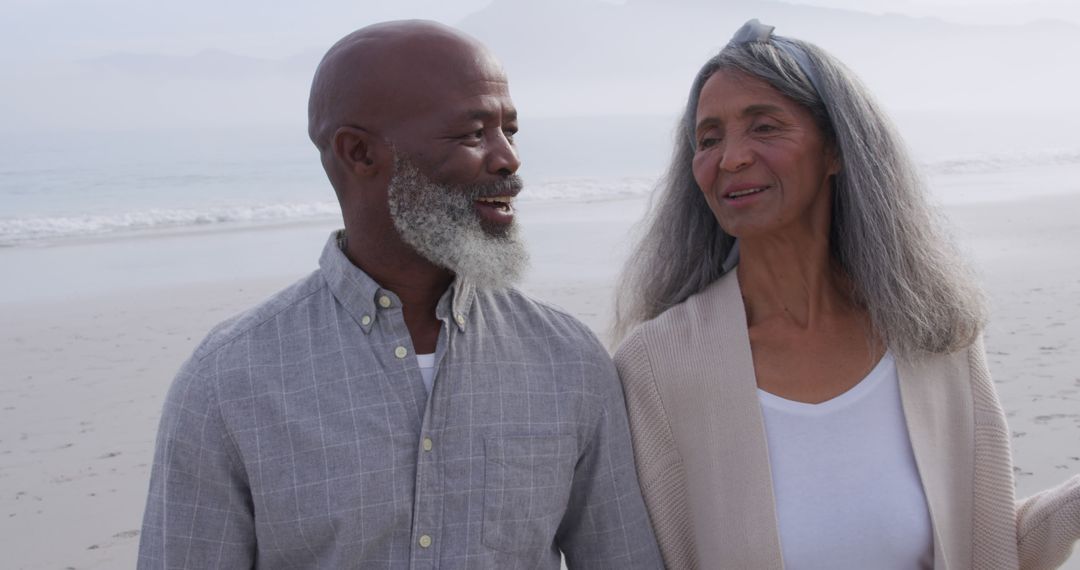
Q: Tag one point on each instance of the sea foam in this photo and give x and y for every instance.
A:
(24, 230)
(944, 176)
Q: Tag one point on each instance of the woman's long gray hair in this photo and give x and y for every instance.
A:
(904, 269)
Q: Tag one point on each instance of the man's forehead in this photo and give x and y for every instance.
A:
(461, 68)
(475, 70)
(465, 91)
(506, 112)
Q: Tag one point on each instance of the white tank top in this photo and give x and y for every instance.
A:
(426, 362)
(848, 494)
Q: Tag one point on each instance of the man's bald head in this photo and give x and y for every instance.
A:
(421, 98)
(381, 74)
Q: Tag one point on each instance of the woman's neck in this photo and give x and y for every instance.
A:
(791, 278)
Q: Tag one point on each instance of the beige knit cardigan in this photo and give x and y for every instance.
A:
(703, 464)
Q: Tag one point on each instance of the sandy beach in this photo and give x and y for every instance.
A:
(92, 332)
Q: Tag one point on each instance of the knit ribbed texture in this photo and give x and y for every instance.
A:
(1048, 525)
(994, 522)
(660, 470)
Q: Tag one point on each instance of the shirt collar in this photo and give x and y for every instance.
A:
(364, 299)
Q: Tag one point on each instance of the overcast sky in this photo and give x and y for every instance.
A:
(75, 29)
(97, 63)
(965, 11)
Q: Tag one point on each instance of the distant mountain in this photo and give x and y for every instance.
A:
(567, 57)
(592, 55)
(207, 64)
(574, 58)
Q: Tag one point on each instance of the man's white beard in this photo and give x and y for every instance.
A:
(440, 223)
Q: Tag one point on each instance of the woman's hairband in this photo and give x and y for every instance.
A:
(754, 31)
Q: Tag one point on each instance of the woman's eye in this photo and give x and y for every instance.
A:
(765, 128)
(707, 142)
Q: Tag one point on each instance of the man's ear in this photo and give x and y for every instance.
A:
(359, 151)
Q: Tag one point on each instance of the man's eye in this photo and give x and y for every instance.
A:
(509, 134)
(765, 128)
(475, 135)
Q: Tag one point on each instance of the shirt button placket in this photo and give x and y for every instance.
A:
(425, 540)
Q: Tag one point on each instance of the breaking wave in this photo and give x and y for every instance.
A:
(17, 231)
(999, 162)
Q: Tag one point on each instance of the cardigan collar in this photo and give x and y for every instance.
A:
(732, 452)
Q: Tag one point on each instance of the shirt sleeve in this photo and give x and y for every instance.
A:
(606, 525)
(199, 510)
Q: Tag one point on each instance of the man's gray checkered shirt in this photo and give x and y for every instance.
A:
(300, 435)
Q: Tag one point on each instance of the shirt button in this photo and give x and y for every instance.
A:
(427, 444)
(365, 320)
(401, 352)
(384, 302)
(425, 541)
(460, 319)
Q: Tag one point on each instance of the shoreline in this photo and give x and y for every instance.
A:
(955, 184)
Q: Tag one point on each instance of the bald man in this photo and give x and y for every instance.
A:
(403, 406)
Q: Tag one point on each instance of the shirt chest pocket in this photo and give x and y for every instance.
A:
(527, 483)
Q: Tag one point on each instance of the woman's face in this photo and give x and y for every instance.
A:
(761, 160)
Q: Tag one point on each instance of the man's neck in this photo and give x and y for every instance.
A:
(417, 282)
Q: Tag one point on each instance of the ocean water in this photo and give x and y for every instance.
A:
(57, 187)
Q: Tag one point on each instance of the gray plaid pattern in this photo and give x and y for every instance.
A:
(295, 437)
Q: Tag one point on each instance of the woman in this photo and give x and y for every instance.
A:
(805, 377)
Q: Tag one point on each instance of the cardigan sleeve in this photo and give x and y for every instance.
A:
(659, 465)
(1048, 525)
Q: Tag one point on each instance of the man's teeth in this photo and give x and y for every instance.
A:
(497, 200)
(746, 192)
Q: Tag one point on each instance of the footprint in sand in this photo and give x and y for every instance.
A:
(120, 535)
(1021, 473)
(1043, 420)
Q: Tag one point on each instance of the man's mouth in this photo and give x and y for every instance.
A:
(496, 212)
(500, 203)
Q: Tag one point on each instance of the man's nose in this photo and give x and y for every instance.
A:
(502, 156)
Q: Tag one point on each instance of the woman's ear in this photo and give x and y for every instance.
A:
(832, 155)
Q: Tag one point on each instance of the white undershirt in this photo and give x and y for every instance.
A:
(427, 369)
(848, 494)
